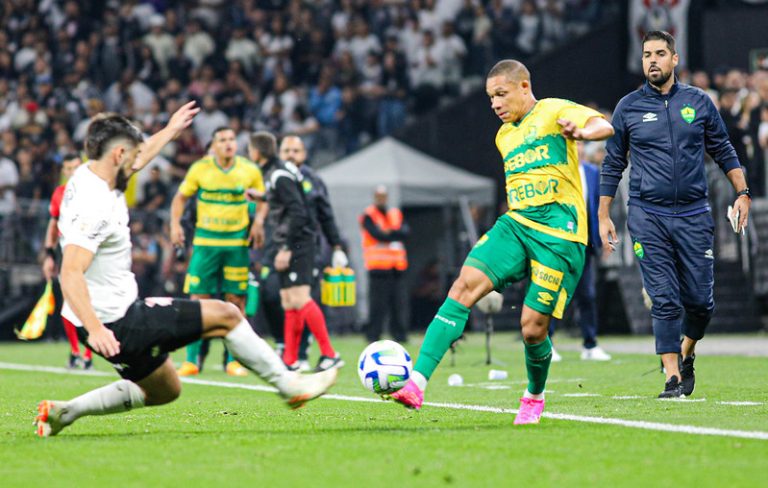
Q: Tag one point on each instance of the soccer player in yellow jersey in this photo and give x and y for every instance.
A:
(542, 236)
(220, 259)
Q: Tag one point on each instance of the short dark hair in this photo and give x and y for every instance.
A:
(659, 35)
(220, 129)
(70, 157)
(106, 128)
(512, 69)
(265, 143)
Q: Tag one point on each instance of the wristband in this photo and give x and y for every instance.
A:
(746, 192)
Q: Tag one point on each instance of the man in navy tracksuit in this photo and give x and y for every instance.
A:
(666, 127)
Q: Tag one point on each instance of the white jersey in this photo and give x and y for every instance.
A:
(96, 218)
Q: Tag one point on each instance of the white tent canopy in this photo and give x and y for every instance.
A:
(413, 179)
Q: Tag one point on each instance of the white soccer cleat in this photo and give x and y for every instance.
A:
(556, 357)
(298, 389)
(48, 421)
(595, 354)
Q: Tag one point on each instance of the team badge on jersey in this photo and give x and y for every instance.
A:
(688, 113)
(530, 137)
(639, 251)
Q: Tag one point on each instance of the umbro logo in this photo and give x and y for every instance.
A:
(709, 254)
(650, 117)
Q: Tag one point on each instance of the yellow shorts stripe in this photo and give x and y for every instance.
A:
(211, 241)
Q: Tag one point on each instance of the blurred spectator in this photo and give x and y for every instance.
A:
(155, 192)
(9, 179)
(427, 74)
(453, 52)
(198, 44)
(244, 50)
(145, 254)
(209, 119)
(160, 42)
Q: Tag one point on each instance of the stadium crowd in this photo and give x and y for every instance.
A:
(336, 72)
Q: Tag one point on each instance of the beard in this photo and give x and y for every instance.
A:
(660, 78)
(121, 182)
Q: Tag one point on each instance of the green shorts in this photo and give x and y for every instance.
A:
(510, 251)
(214, 270)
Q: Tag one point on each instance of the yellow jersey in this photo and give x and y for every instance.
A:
(222, 209)
(541, 169)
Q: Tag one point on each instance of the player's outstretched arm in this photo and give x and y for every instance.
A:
(596, 129)
(180, 120)
(75, 290)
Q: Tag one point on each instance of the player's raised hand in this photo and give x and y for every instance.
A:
(182, 118)
(103, 341)
(569, 129)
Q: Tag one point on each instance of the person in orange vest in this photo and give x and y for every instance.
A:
(385, 259)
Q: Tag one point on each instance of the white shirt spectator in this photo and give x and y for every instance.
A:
(411, 39)
(244, 50)
(446, 10)
(197, 47)
(429, 67)
(206, 122)
(453, 50)
(9, 178)
(24, 58)
(140, 93)
(273, 45)
(289, 99)
(361, 46)
(163, 48)
(96, 218)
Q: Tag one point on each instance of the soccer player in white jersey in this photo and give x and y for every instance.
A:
(100, 291)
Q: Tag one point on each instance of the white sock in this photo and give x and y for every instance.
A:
(254, 353)
(419, 379)
(119, 396)
(528, 394)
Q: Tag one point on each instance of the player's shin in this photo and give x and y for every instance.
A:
(254, 353)
(116, 397)
(445, 328)
(537, 360)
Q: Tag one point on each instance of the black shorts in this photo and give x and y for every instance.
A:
(301, 270)
(150, 329)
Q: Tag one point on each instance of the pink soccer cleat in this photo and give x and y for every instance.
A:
(409, 396)
(530, 411)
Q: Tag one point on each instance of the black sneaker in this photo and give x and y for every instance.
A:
(688, 381)
(326, 362)
(74, 361)
(88, 364)
(672, 389)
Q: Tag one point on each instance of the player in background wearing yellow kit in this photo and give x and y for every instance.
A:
(543, 235)
(220, 260)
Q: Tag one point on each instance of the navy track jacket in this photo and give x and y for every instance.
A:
(666, 136)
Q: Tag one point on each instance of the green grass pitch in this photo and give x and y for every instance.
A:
(216, 436)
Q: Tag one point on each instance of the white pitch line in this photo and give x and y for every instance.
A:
(741, 403)
(580, 395)
(634, 424)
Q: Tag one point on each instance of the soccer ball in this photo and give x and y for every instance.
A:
(384, 367)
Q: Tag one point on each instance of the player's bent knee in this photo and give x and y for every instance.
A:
(218, 315)
(470, 286)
